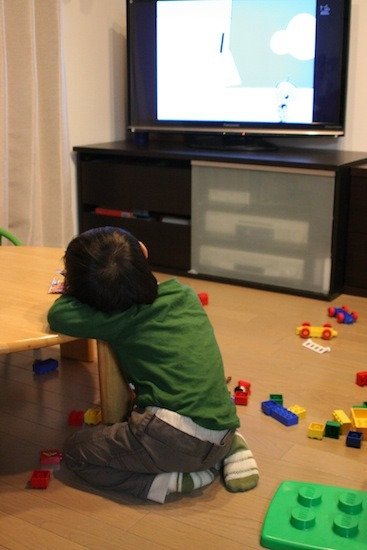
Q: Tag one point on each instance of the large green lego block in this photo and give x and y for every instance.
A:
(309, 516)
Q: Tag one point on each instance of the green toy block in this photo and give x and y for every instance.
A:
(277, 397)
(309, 516)
(332, 429)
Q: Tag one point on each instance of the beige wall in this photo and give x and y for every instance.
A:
(356, 130)
(94, 34)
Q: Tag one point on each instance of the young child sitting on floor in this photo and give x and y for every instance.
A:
(182, 429)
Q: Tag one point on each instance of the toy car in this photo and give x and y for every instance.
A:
(307, 331)
(342, 315)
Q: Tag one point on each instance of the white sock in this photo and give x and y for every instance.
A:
(159, 488)
(240, 470)
(178, 482)
(187, 482)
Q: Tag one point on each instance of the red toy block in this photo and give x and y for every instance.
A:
(361, 378)
(50, 456)
(245, 385)
(40, 479)
(203, 297)
(76, 418)
(240, 398)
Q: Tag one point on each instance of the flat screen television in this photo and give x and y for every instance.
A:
(235, 68)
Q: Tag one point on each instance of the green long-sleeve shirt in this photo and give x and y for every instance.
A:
(167, 350)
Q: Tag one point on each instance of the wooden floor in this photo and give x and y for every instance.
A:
(256, 333)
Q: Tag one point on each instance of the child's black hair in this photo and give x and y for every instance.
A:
(107, 269)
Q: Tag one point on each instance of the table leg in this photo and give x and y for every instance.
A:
(116, 394)
(81, 350)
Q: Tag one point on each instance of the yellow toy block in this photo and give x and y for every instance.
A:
(316, 431)
(93, 416)
(299, 411)
(359, 419)
(343, 419)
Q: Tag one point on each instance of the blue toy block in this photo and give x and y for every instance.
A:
(45, 365)
(280, 413)
(354, 439)
(267, 406)
(283, 415)
(310, 516)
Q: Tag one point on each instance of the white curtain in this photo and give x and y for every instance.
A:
(35, 182)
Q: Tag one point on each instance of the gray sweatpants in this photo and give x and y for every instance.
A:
(128, 455)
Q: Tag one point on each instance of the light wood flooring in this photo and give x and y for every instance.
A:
(256, 333)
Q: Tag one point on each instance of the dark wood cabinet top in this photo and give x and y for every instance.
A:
(360, 170)
(317, 159)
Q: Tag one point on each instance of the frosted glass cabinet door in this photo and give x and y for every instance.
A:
(265, 225)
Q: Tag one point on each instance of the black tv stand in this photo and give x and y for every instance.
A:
(231, 142)
(275, 220)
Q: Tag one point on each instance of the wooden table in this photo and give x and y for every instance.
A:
(26, 273)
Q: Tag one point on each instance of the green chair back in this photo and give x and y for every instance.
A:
(10, 237)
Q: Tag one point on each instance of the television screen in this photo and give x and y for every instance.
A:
(270, 67)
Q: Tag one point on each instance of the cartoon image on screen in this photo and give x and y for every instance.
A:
(207, 70)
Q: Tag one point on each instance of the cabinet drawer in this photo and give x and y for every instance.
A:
(169, 244)
(268, 227)
(358, 204)
(137, 186)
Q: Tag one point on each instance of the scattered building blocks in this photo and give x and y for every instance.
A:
(40, 479)
(358, 417)
(240, 398)
(332, 429)
(344, 420)
(276, 411)
(244, 386)
(309, 344)
(312, 516)
(307, 331)
(284, 416)
(204, 298)
(354, 439)
(342, 315)
(76, 418)
(277, 397)
(50, 456)
(267, 406)
(42, 366)
(242, 392)
(299, 411)
(316, 431)
(361, 378)
(93, 416)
